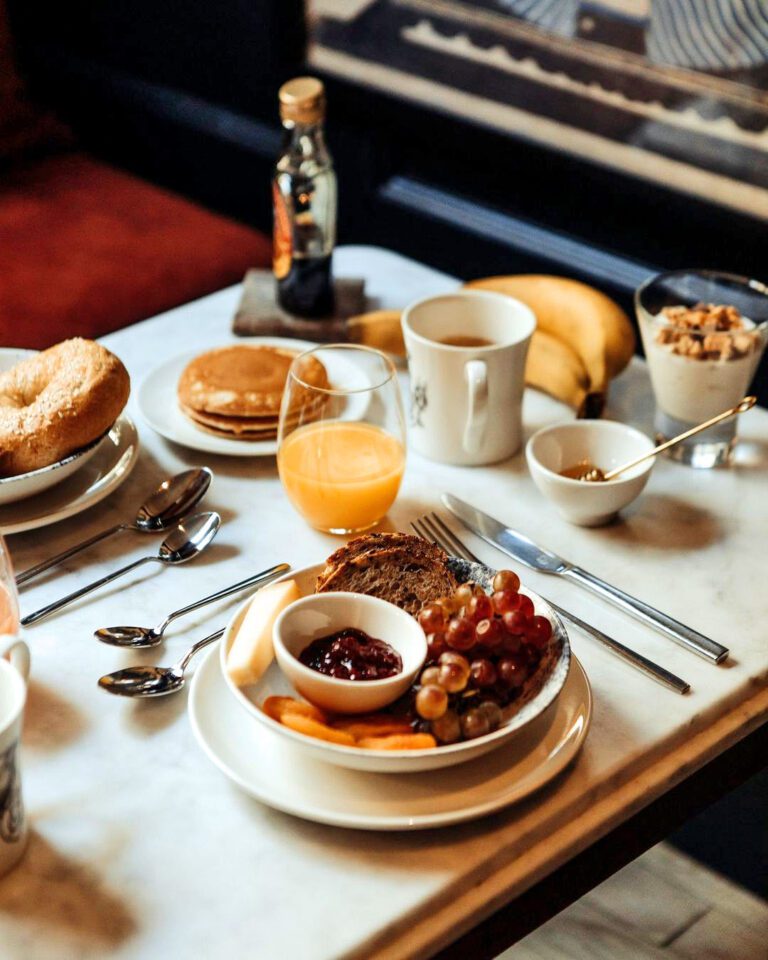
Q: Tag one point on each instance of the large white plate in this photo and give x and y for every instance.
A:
(110, 465)
(282, 776)
(160, 407)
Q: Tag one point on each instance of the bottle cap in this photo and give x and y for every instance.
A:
(302, 100)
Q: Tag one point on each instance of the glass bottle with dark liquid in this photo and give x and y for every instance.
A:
(304, 201)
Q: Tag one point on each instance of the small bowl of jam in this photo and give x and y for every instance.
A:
(348, 652)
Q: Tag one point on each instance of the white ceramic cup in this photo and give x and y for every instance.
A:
(466, 402)
(13, 694)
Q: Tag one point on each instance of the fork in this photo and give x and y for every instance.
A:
(431, 528)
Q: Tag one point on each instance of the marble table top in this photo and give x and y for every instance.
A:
(140, 848)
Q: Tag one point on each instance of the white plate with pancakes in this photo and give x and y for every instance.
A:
(159, 405)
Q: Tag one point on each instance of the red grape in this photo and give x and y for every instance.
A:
(511, 643)
(512, 670)
(436, 645)
(538, 632)
(506, 580)
(490, 633)
(454, 677)
(447, 728)
(461, 634)
(474, 724)
(505, 601)
(430, 675)
(480, 608)
(515, 622)
(483, 673)
(492, 712)
(432, 618)
(431, 702)
(463, 594)
(525, 605)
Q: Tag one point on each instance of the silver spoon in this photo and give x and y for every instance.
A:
(594, 474)
(148, 681)
(141, 637)
(172, 500)
(186, 541)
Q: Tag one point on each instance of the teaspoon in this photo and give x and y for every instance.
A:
(592, 474)
(141, 637)
(172, 500)
(148, 681)
(188, 539)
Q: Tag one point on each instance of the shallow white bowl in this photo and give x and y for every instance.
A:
(606, 444)
(29, 484)
(322, 614)
(275, 683)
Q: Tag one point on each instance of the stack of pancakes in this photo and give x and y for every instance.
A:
(236, 391)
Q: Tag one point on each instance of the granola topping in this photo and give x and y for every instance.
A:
(707, 331)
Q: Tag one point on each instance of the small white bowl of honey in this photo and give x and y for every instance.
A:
(557, 456)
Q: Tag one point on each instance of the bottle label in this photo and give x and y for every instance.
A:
(282, 235)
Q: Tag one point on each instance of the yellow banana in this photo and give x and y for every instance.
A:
(554, 367)
(587, 320)
(380, 329)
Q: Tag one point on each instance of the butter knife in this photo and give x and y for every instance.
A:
(519, 547)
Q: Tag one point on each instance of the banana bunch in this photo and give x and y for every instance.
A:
(582, 340)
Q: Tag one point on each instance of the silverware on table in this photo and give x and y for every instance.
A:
(517, 545)
(188, 539)
(172, 500)
(148, 681)
(140, 638)
(431, 527)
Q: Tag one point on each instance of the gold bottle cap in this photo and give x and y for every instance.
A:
(302, 100)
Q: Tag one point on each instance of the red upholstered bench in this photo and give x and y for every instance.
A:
(88, 249)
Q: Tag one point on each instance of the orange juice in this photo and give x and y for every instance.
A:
(341, 475)
(9, 612)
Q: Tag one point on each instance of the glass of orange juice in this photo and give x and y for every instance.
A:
(341, 437)
(9, 598)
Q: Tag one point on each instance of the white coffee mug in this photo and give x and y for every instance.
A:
(466, 401)
(13, 694)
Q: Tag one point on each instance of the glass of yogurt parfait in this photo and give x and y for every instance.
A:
(704, 333)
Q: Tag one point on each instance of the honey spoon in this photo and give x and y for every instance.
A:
(140, 638)
(594, 474)
(188, 539)
(148, 681)
(172, 500)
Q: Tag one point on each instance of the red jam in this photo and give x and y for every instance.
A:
(350, 654)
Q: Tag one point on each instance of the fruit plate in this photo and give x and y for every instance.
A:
(537, 693)
(283, 776)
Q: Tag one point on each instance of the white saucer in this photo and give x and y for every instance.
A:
(278, 774)
(160, 407)
(111, 463)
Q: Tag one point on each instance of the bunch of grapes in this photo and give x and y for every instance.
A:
(481, 649)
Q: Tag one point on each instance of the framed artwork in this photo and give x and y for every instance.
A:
(673, 91)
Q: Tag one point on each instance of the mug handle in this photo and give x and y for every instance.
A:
(476, 376)
(19, 654)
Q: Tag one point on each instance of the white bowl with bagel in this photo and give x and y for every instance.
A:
(267, 695)
(55, 408)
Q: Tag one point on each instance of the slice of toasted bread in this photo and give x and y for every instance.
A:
(400, 568)
(366, 544)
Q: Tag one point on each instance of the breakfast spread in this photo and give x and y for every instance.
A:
(237, 391)
(701, 359)
(350, 654)
(55, 402)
